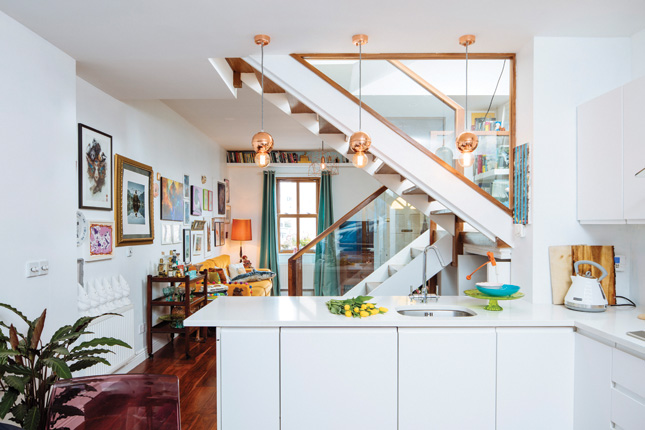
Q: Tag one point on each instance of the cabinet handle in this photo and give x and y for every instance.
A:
(640, 173)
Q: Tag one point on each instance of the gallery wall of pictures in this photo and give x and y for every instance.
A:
(134, 196)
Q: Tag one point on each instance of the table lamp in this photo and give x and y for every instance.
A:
(241, 230)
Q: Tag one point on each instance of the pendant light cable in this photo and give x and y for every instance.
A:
(262, 102)
(466, 123)
(360, 85)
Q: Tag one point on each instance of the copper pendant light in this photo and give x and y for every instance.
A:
(467, 141)
(262, 141)
(360, 142)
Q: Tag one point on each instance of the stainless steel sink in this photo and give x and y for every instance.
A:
(436, 311)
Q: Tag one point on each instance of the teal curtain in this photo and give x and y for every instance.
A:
(269, 228)
(326, 280)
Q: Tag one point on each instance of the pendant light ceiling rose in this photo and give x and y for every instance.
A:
(360, 39)
(467, 39)
(466, 141)
(263, 39)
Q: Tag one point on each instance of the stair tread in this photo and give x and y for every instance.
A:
(414, 191)
(442, 212)
(325, 127)
(384, 169)
(296, 106)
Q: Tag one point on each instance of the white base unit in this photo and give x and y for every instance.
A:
(535, 378)
(447, 378)
(592, 384)
(248, 378)
(336, 378)
(628, 393)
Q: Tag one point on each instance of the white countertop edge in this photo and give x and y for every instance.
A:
(610, 326)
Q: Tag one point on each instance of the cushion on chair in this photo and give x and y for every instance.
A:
(239, 290)
(235, 270)
(254, 276)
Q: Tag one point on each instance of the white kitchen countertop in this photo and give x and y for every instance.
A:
(289, 311)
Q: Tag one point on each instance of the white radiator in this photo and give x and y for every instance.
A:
(119, 327)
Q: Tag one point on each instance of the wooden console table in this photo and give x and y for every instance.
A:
(191, 301)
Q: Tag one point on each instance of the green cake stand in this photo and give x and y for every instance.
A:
(492, 300)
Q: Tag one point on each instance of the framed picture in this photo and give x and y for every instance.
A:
(186, 212)
(216, 233)
(221, 198)
(210, 200)
(186, 187)
(172, 199)
(222, 234)
(186, 245)
(134, 208)
(197, 247)
(195, 200)
(101, 240)
(209, 239)
(228, 214)
(94, 169)
(170, 234)
(228, 190)
(205, 199)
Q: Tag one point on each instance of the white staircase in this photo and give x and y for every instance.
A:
(405, 269)
(406, 170)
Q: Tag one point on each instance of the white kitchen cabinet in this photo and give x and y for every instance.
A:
(535, 378)
(600, 159)
(628, 392)
(334, 378)
(248, 378)
(592, 384)
(447, 378)
(634, 150)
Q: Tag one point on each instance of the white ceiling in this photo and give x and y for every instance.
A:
(159, 49)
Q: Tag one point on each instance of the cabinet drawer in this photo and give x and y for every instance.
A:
(628, 372)
(626, 412)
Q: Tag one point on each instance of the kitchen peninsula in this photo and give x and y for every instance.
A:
(287, 363)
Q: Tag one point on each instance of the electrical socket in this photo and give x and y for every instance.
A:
(32, 269)
(43, 266)
(142, 328)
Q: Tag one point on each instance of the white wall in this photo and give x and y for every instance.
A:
(567, 72)
(39, 192)
(151, 133)
(638, 54)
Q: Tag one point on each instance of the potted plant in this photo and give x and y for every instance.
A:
(29, 367)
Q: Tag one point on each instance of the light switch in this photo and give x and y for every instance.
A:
(619, 263)
(32, 269)
(43, 265)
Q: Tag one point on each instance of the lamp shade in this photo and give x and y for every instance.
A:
(241, 229)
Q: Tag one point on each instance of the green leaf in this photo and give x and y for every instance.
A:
(16, 382)
(31, 419)
(17, 312)
(87, 362)
(8, 353)
(61, 350)
(60, 333)
(15, 368)
(363, 299)
(59, 367)
(9, 398)
(107, 341)
(88, 353)
(19, 411)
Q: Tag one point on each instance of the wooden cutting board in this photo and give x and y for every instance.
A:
(562, 258)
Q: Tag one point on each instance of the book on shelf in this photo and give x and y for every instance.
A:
(283, 157)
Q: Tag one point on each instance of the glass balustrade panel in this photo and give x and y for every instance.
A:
(359, 246)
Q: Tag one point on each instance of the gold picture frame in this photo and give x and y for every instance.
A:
(134, 215)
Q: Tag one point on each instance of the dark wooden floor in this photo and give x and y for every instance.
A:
(197, 380)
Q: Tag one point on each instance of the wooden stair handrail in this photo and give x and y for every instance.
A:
(301, 59)
(293, 282)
